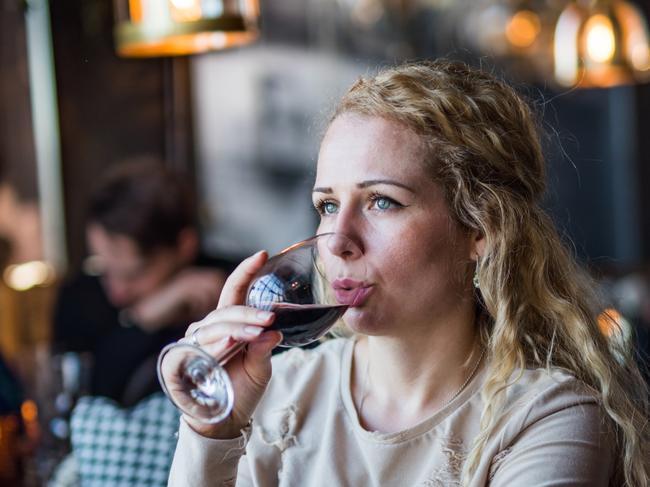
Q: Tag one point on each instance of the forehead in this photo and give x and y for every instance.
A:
(360, 147)
(113, 247)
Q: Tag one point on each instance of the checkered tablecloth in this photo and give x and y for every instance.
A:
(117, 447)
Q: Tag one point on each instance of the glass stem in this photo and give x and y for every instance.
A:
(223, 358)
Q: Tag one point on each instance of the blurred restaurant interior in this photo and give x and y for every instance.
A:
(234, 95)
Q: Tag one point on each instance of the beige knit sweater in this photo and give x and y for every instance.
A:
(306, 432)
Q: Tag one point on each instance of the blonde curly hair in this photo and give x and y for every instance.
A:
(537, 307)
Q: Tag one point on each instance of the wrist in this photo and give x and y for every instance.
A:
(227, 430)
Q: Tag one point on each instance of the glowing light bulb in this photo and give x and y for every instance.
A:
(183, 4)
(523, 28)
(29, 411)
(22, 277)
(600, 40)
(185, 10)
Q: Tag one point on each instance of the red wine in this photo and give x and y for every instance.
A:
(302, 324)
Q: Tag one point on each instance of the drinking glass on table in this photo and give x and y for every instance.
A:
(308, 286)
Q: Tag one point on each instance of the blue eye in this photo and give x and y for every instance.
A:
(383, 203)
(326, 207)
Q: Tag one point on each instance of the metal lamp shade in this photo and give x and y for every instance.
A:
(602, 45)
(151, 28)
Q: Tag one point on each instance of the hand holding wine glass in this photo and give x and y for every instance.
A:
(290, 297)
(231, 323)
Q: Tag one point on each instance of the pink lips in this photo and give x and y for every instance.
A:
(351, 292)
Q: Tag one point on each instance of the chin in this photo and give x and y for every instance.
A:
(359, 321)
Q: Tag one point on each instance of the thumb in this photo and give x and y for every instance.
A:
(258, 353)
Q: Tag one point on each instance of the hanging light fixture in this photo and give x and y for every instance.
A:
(148, 28)
(601, 43)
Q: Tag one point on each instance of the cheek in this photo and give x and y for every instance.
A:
(423, 260)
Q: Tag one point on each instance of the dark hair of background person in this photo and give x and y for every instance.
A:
(145, 201)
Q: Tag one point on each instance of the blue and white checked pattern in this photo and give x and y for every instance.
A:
(124, 447)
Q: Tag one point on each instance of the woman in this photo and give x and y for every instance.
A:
(476, 356)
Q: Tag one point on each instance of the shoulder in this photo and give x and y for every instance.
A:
(81, 283)
(552, 401)
(82, 310)
(544, 391)
(552, 426)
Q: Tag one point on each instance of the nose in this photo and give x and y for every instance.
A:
(344, 247)
(348, 230)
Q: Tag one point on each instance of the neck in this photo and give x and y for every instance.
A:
(398, 381)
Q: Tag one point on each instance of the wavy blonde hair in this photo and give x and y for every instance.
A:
(537, 307)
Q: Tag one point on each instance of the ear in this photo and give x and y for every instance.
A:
(477, 248)
(188, 244)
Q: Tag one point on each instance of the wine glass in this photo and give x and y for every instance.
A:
(308, 286)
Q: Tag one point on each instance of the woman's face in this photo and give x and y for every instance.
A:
(371, 185)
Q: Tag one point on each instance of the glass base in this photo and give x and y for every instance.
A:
(202, 388)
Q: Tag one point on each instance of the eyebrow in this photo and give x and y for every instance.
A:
(366, 184)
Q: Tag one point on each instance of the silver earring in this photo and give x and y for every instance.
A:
(475, 280)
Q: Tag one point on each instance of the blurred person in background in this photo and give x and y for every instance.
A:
(143, 283)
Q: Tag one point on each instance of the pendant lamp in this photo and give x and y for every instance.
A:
(601, 44)
(150, 28)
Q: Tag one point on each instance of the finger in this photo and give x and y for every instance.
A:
(241, 314)
(263, 346)
(234, 289)
(257, 363)
(209, 334)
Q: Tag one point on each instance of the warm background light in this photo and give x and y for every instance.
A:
(612, 323)
(599, 33)
(181, 27)
(601, 44)
(29, 411)
(185, 10)
(22, 277)
(185, 4)
(523, 28)
(135, 11)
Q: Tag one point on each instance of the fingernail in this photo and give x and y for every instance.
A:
(253, 330)
(264, 315)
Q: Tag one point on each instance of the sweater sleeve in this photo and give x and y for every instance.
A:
(570, 447)
(201, 461)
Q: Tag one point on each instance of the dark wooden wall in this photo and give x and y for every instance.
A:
(17, 154)
(111, 109)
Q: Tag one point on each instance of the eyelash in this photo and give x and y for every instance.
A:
(320, 206)
(374, 197)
